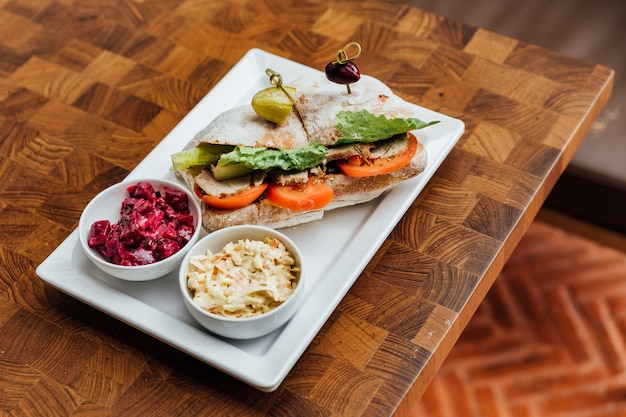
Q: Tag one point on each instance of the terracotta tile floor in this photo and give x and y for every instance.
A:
(549, 339)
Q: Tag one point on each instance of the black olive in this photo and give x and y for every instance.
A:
(346, 73)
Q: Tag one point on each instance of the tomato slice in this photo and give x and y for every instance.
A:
(356, 167)
(313, 195)
(232, 202)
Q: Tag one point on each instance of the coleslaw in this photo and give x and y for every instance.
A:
(246, 278)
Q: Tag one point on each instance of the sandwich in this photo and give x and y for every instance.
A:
(335, 148)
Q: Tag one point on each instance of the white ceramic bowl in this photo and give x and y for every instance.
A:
(106, 206)
(248, 327)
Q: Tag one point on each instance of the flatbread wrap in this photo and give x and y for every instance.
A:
(335, 149)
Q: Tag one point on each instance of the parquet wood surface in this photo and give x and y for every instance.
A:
(87, 88)
(548, 340)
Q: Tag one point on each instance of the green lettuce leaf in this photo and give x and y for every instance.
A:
(363, 126)
(286, 159)
(356, 127)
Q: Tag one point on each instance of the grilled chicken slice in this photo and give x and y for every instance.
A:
(211, 186)
(381, 149)
(290, 178)
(390, 148)
(346, 151)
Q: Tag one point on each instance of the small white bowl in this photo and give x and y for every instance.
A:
(247, 327)
(106, 206)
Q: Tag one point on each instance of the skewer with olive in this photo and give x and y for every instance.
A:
(344, 70)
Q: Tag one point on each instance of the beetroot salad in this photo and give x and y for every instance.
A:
(153, 226)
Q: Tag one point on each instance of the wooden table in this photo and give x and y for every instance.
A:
(88, 88)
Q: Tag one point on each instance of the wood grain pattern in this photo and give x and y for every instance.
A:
(87, 89)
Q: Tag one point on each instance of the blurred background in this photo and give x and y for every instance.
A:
(517, 356)
(594, 185)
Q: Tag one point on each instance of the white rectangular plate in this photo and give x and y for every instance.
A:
(338, 247)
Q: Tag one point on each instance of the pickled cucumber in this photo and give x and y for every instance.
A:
(273, 105)
(227, 171)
